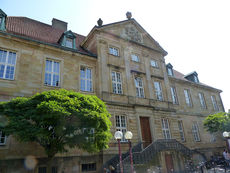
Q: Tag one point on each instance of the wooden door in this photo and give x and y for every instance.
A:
(145, 131)
(169, 163)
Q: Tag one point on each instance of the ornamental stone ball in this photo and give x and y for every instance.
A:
(128, 15)
(99, 22)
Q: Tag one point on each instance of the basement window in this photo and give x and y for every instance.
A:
(88, 167)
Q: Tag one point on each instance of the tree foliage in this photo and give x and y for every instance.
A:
(58, 120)
(218, 122)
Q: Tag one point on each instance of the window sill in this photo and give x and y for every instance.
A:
(115, 55)
(52, 86)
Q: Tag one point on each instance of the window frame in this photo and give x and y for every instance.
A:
(4, 137)
(114, 49)
(121, 128)
(139, 89)
(137, 58)
(116, 82)
(170, 71)
(165, 129)
(69, 40)
(52, 72)
(86, 79)
(88, 167)
(181, 130)
(195, 132)
(174, 95)
(188, 99)
(6, 64)
(202, 100)
(155, 62)
(214, 103)
(158, 91)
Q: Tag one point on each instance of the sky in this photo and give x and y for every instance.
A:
(195, 33)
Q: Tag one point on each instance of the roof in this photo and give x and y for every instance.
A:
(39, 31)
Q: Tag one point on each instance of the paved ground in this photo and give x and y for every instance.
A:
(216, 170)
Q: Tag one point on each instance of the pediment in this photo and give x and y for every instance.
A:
(130, 30)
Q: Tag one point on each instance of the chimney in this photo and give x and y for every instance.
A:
(59, 24)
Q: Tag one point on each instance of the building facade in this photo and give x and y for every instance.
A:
(125, 67)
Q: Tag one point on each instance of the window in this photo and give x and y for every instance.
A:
(139, 87)
(42, 170)
(54, 169)
(165, 128)
(196, 79)
(158, 91)
(174, 95)
(88, 167)
(135, 58)
(170, 71)
(121, 126)
(114, 51)
(86, 79)
(202, 101)
(52, 73)
(7, 64)
(153, 63)
(214, 103)
(181, 131)
(187, 98)
(116, 83)
(69, 42)
(195, 132)
(2, 138)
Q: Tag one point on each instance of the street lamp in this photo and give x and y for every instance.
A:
(118, 136)
(129, 136)
(226, 135)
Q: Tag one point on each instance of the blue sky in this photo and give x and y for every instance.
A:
(196, 34)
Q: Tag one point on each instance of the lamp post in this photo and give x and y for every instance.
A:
(118, 136)
(129, 136)
(226, 135)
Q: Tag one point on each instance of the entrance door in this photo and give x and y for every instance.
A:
(145, 131)
(169, 163)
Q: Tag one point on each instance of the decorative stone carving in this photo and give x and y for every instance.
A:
(133, 34)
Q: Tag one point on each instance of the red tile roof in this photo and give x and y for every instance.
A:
(36, 30)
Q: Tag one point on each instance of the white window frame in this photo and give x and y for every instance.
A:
(174, 95)
(52, 73)
(135, 58)
(170, 71)
(113, 51)
(69, 42)
(154, 63)
(202, 101)
(165, 128)
(195, 132)
(86, 80)
(158, 91)
(121, 125)
(7, 64)
(139, 88)
(181, 130)
(196, 79)
(188, 99)
(116, 82)
(214, 103)
(2, 137)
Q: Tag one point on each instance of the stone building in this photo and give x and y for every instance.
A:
(125, 67)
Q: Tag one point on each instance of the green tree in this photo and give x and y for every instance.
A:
(58, 120)
(218, 122)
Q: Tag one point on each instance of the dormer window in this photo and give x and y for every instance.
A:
(196, 79)
(192, 77)
(169, 69)
(68, 39)
(2, 20)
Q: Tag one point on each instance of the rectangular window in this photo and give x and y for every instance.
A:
(69, 42)
(181, 131)
(135, 58)
(7, 64)
(88, 167)
(187, 98)
(158, 91)
(86, 79)
(114, 51)
(121, 126)
(195, 132)
(2, 138)
(52, 73)
(214, 103)
(54, 169)
(42, 170)
(174, 95)
(153, 63)
(139, 87)
(202, 101)
(116, 83)
(170, 71)
(165, 129)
